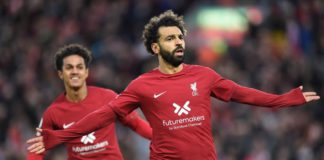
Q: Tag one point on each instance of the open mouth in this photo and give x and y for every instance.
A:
(75, 79)
(179, 52)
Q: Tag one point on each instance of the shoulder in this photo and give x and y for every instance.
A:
(206, 73)
(200, 69)
(140, 80)
(99, 91)
(197, 67)
(54, 106)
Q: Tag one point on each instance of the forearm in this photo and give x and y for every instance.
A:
(142, 128)
(137, 124)
(259, 98)
(93, 121)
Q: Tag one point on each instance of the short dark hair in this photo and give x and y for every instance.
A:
(168, 18)
(72, 49)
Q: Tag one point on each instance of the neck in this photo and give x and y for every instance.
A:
(76, 94)
(167, 68)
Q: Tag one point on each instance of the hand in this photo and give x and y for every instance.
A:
(309, 96)
(36, 144)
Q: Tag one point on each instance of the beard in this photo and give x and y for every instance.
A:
(170, 57)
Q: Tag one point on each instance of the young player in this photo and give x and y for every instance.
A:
(72, 64)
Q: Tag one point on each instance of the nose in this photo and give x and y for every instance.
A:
(178, 41)
(74, 70)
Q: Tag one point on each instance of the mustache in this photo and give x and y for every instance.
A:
(178, 47)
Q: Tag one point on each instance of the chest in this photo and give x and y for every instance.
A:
(180, 97)
(67, 115)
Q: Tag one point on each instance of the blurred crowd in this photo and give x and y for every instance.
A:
(284, 51)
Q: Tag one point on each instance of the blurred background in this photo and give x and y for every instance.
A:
(270, 45)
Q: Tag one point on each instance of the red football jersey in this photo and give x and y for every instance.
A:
(99, 144)
(178, 108)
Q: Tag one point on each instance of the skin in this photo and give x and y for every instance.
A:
(170, 38)
(73, 74)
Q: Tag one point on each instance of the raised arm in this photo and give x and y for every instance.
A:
(137, 124)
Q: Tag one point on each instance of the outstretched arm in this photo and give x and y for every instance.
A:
(228, 90)
(51, 138)
(252, 96)
(137, 124)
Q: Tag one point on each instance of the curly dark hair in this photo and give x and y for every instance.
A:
(72, 49)
(168, 18)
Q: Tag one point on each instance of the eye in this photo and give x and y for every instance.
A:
(68, 67)
(181, 37)
(80, 67)
(169, 38)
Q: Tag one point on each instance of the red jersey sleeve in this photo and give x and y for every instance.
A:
(127, 101)
(221, 88)
(227, 90)
(137, 124)
(95, 120)
(259, 98)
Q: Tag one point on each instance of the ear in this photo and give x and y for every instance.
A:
(155, 48)
(60, 74)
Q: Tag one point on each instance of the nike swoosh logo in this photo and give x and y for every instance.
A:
(158, 95)
(65, 126)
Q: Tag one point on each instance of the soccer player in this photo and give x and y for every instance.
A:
(175, 99)
(72, 62)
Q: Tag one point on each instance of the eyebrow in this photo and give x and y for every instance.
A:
(173, 35)
(69, 64)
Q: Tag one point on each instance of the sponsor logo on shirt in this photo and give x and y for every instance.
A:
(91, 148)
(192, 121)
(182, 109)
(65, 126)
(184, 122)
(88, 138)
(194, 89)
(155, 96)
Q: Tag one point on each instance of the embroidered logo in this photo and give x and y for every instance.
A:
(182, 109)
(158, 95)
(65, 126)
(88, 138)
(194, 89)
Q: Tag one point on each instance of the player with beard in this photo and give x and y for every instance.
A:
(72, 62)
(175, 99)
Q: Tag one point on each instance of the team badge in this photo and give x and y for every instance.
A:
(194, 89)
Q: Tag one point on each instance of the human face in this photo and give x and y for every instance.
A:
(171, 45)
(74, 72)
